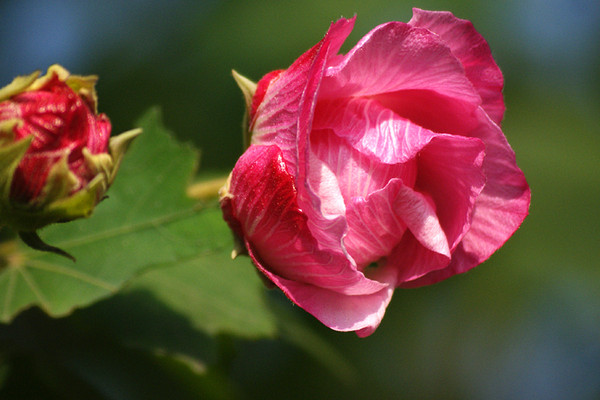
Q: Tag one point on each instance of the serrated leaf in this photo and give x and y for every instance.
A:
(145, 221)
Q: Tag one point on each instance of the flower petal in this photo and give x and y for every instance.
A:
(357, 174)
(284, 118)
(450, 171)
(328, 230)
(378, 228)
(419, 214)
(259, 94)
(396, 56)
(451, 175)
(291, 92)
(374, 228)
(30, 177)
(361, 313)
(412, 260)
(499, 209)
(263, 206)
(372, 129)
(431, 110)
(99, 133)
(473, 52)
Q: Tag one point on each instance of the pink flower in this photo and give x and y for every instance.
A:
(382, 168)
(57, 156)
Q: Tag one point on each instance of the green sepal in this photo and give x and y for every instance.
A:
(60, 182)
(7, 130)
(81, 204)
(32, 240)
(56, 205)
(10, 157)
(60, 199)
(85, 87)
(117, 147)
(248, 89)
(18, 85)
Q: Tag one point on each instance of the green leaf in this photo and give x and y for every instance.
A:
(217, 294)
(146, 221)
(206, 294)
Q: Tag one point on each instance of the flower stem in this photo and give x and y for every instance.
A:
(206, 189)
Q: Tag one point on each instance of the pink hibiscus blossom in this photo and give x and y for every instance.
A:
(385, 167)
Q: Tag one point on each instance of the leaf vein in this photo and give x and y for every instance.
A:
(36, 291)
(141, 198)
(125, 229)
(59, 269)
(10, 292)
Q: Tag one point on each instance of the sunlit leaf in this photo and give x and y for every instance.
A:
(217, 294)
(145, 221)
(179, 307)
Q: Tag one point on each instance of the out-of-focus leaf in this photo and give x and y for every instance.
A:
(63, 359)
(297, 332)
(138, 320)
(146, 221)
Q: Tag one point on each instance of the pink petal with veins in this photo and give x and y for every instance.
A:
(396, 56)
(473, 52)
(262, 202)
(499, 209)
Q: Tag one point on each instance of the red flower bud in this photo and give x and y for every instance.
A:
(56, 156)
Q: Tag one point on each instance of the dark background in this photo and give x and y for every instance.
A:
(525, 324)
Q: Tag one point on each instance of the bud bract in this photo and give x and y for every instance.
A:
(57, 159)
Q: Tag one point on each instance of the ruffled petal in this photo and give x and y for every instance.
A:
(431, 110)
(451, 172)
(419, 214)
(399, 225)
(473, 52)
(262, 207)
(284, 118)
(499, 209)
(291, 93)
(396, 56)
(372, 129)
(412, 260)
(439, 214)
(379, 222)
(360, 313)
(374, 226)
(358, 174)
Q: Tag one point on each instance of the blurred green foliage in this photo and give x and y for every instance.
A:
(525, 324)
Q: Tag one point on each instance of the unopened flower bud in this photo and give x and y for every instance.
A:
(57, 159)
